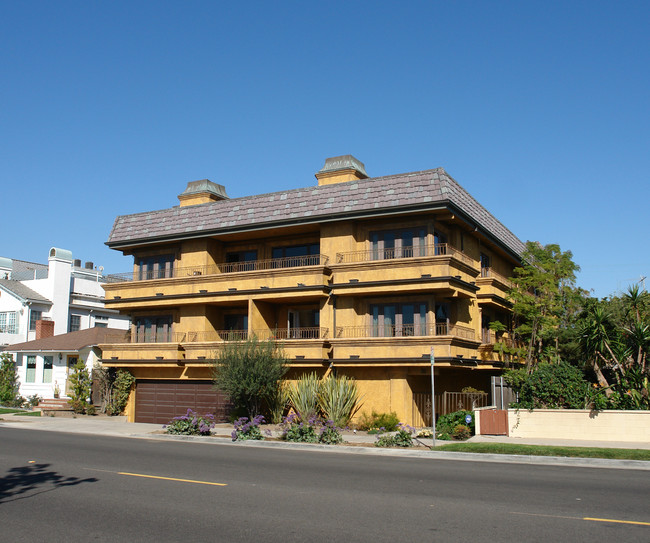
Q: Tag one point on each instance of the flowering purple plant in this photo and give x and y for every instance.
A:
(247, 429)
(191, 424)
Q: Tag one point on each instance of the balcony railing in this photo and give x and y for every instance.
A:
(313, 332)
(405, 330)
(439, 249)
(489, 272)
(216, 269)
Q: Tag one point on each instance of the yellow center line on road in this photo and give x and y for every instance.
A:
(617, 521)
(592, 519)
(170, 479)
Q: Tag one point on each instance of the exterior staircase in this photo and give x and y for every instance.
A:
(57, 404)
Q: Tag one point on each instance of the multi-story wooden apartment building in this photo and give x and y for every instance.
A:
(360, 276)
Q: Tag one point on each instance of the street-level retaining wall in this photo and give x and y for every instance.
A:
(580, 424)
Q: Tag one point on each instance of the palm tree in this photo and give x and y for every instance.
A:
(594, 340)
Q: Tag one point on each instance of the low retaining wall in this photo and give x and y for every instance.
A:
(580, 424)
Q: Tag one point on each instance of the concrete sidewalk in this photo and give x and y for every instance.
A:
(359, 443)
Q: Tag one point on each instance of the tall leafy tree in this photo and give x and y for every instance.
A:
(249, 372)
(544, 299)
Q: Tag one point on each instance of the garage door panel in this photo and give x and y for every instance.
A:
(159, 401)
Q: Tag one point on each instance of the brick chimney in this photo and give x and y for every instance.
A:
(340, 169)
(44, 329)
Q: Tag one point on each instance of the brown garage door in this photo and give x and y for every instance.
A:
(160, 401)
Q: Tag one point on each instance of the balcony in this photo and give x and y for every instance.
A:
(439, 267)
(493, 287)
(408, 330)
(437, 250)
(313, 332)
(218, 269)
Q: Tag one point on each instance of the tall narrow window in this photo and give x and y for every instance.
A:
(75, 323)
(47, 369)
(442, 319)
(440, 243)
(485, 265)
(34, 315)
(30, 376)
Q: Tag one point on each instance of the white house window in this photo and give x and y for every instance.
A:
(75, 323)
(9, 322)
(30, 376)
(101, 321)
(34, 315)
(47, 369)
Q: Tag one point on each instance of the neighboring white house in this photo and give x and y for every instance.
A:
(38, 300)
(43, 365)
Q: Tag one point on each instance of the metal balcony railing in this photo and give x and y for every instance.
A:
(489, 272)
(405, 330)
(312, 332)
(439, 249)
(225, 267)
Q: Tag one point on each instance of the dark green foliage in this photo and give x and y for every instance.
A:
(249, 372)
(402, 438)
(121, 390)
(79, 387)
(446, 424)
(549, 386)
(9, 383)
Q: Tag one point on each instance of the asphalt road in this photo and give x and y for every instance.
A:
(70, 487)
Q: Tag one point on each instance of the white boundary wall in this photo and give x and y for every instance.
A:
(580, 424)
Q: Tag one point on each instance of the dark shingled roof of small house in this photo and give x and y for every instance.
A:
(72, 341)
(416, 191)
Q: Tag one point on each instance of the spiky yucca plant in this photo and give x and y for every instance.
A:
(278, 401)
(304, 397)
(339, 399)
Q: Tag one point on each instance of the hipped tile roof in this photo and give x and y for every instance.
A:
(422, 190)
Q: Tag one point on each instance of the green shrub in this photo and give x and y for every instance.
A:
(190, 424)
(9, 383)
(446, 424)
(549, 386)
(338, 399)
(249, 372)
(461, 432)
(402, 438)
(80, 383)
(376, 421)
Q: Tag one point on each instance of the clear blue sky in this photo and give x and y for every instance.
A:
(540, 110)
